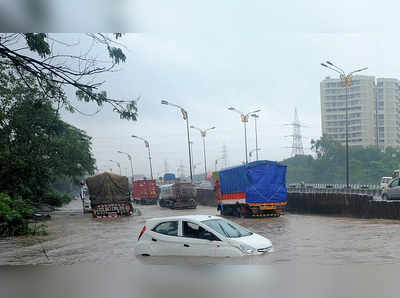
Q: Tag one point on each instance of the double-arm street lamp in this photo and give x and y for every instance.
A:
(244, 118)
(130, 160)
(118, 165)
(147, 145)
(203, 133)
(346, 83)
(185, 117)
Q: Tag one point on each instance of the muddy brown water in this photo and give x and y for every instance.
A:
(75, 238)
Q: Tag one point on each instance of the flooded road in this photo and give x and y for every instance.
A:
(307, 239)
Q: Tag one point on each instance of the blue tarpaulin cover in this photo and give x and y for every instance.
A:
(263, 181)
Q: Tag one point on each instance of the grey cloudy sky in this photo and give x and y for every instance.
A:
(209, 55)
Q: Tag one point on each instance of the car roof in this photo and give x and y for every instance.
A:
(187, 217)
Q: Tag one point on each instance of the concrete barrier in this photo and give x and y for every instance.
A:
(354, 205)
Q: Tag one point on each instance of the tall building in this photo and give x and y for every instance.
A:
(388, 114)
(368, 100)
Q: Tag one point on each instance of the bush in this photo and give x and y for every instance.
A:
(14, 216)
(56, 199)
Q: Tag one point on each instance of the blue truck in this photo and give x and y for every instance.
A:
(254, 189)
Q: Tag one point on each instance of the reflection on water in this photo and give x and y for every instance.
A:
(307, 239)
(223, 281)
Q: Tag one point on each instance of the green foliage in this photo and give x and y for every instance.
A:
(54, 71)
(36, 146)
(367, 165)
(37, 43)
(14, 215)
(116, 55)
(56, 199)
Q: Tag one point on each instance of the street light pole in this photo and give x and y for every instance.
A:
(147, 145)
(118, 165)
(255, 116)
(130, 160)
(203, 133)
(185, 117)
(244, 118)
(346, 83)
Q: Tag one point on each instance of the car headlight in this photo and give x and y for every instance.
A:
(246, 249)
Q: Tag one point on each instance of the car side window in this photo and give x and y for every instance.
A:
(169, 228)
(394, 183)
(192, 230)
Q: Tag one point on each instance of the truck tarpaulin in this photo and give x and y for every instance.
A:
(108, 188)
(259, 182)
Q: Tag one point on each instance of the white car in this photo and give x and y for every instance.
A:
(198, 235)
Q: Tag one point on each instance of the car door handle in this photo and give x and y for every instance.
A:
(152, 239)
(186, 245)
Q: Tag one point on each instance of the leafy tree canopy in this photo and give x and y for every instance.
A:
(36, 146)
(33, 57)
(367, 165)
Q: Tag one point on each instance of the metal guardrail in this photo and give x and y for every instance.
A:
(371, 189)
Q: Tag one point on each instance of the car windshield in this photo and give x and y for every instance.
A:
(227, 228)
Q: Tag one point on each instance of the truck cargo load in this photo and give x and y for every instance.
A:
(255, 189)
(109, 195)
(178, 195)
(145, 192)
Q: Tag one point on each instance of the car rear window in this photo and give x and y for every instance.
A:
(169, 228)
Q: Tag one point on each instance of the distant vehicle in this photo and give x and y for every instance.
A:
(109, 195)
(392, 191)
(169, 177)
(145, 192)
(178, 195)
(254, 189)
(205, 185)
(385, 181)
(84, 194)
(199, 235)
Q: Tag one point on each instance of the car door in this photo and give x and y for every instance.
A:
(394, 189)
(194, 242)
(164, 239)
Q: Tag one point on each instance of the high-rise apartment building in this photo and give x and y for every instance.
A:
(368, 100)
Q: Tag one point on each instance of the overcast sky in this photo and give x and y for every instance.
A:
(209, 55)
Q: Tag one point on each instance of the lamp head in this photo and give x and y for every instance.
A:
(164, 102)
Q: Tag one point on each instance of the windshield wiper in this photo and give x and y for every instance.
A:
(223, 230)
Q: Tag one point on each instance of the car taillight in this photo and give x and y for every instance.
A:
(141, 233)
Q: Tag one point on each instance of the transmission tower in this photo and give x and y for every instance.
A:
(166, 167)
(181, 170)
(225, 155)
(297, 143)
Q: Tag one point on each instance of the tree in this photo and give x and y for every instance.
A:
(36, 146)
(367, 165)
(32, 56)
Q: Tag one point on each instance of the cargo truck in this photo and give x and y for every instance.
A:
(178, 195)
(254, 189)
(109, 195)
(145, 192)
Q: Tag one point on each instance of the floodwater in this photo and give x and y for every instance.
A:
(306, 239)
